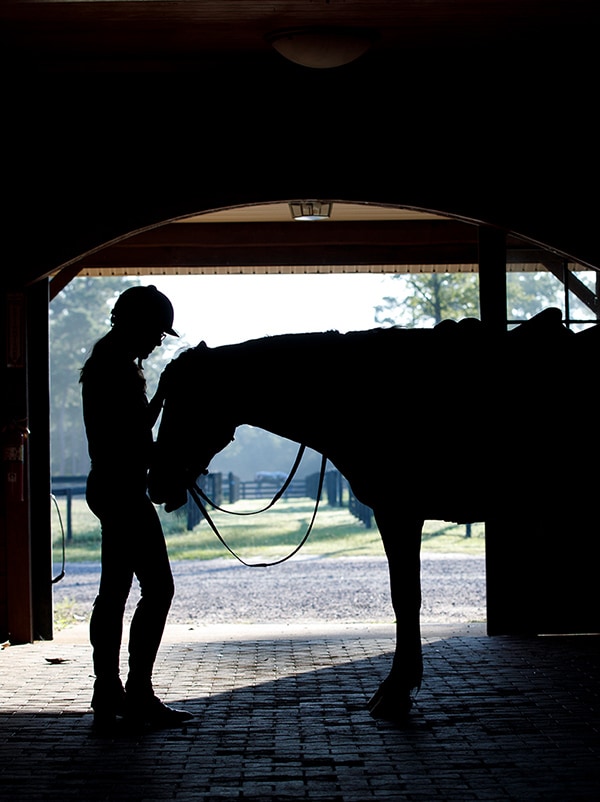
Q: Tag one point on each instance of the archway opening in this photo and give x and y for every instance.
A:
(234, 285)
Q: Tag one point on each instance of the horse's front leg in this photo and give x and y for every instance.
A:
(402, 543)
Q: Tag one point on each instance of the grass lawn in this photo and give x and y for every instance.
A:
(270, 535)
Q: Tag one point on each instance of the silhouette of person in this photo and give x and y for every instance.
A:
(118, 421)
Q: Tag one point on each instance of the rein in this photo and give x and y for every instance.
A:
(198, 495)
(273, 501)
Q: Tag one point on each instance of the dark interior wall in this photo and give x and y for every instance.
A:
(498, 137)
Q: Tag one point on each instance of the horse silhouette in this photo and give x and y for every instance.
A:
(423, 424)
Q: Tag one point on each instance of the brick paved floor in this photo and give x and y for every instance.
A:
(280, 715)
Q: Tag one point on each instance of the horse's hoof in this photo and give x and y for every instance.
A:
(387, 706)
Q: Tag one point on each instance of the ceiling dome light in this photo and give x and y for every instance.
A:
(322, 47)
(311, 209)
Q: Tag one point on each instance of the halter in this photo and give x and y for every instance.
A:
(199, 496)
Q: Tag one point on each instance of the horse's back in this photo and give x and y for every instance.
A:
(435, 417)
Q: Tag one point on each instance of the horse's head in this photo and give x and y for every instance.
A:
(188, 437)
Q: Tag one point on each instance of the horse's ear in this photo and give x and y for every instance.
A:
(201, 345)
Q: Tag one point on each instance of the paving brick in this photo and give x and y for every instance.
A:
(280, 715)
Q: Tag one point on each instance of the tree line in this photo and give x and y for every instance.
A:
(80, 315)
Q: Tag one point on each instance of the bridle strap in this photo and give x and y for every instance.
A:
(273, 501)
(195, 495)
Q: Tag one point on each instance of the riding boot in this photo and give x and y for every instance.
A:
(108, 702)
(143, 707)
(108, 699)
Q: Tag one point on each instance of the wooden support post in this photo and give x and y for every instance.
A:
(492, 300)
(492, 278)
(16, 624)
(38, 381)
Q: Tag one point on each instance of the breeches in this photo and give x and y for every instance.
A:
(133, 544)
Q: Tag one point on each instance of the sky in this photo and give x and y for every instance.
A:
(226, 309)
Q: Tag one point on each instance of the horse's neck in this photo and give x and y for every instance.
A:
(276, 383)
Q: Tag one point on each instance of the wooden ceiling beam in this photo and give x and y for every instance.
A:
(187, 246)
(190, 245)
(257, 255)
(259, 234)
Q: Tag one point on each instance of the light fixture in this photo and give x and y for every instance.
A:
(322, 47)
(311, 209)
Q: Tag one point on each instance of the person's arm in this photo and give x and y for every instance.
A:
(157, 401)
(155, 405)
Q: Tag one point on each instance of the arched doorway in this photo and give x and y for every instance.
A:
(428, 242)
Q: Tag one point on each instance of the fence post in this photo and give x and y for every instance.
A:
(193, 514)
(69, 495)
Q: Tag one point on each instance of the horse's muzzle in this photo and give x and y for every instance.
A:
(162, 490)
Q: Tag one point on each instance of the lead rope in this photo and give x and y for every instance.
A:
(62, 530)
(273, 501)
(195, 493)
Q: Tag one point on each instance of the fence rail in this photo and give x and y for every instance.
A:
(69, 487)
(232, 489)
(229, 489)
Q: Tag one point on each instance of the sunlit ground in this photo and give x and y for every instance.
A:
(270, 534)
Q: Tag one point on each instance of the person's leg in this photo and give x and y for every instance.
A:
(106, 622)
(153, 571)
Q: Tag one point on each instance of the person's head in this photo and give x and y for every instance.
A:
(143, 315)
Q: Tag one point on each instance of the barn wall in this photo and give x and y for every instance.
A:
(496, 137)
(88, 158)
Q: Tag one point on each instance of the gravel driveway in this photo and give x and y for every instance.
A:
(346, 589)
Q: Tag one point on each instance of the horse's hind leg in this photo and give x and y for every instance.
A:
(402, 543)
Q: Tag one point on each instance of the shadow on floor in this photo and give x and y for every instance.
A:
(285, 719)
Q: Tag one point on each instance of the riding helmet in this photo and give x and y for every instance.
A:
(144, 306)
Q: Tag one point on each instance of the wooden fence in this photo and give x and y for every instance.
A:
(336, 493)
(225, 490)
(68, 487)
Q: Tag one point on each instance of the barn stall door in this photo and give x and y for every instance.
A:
(543, 572)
